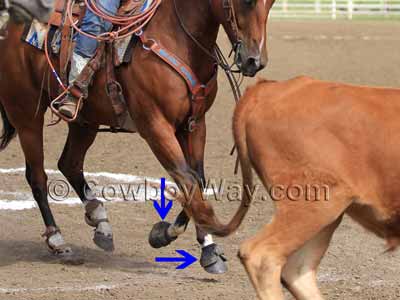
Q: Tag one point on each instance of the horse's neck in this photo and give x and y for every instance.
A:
(199, 21)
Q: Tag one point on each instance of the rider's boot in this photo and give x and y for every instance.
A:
(69, 106)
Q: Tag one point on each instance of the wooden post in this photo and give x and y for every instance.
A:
(334, 15)
(318, 6)
(350, 9)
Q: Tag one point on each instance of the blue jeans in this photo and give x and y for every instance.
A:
(92, 24)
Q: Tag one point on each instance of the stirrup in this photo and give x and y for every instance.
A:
(61, 116)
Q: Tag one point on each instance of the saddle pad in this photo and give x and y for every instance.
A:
(35, 34)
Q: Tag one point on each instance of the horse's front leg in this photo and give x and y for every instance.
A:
(212, 258)
(71, 163)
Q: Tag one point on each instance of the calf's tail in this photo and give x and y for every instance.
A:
(205, 216)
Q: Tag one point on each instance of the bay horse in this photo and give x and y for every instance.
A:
(304, 133)
(158, 100)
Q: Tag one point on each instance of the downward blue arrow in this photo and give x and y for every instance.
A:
(187, 259)
(164, 208)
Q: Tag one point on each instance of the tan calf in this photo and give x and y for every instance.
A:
(306, 132)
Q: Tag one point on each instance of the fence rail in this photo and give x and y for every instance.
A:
(336, 9)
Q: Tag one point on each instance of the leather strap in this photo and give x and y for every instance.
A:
(80, 87)
(199, 92)
(224, 12)
(198, 103)
(65, 51)
(113, 88)
(66, 36)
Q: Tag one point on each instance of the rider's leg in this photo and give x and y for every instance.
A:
(86, 48)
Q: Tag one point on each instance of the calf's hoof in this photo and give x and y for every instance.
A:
(213, 260)
(159, 236)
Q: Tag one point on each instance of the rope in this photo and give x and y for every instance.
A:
(128, 25)
(235, 86)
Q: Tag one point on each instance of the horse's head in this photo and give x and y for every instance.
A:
(245, 22)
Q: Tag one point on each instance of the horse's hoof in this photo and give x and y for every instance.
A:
(56, 244)
(159, 235)
(103, 236)
(105, 242)
(213, 260)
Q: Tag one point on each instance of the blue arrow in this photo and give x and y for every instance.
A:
(187, 259)
(164, 208)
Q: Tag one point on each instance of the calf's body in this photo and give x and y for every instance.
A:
(340, 138)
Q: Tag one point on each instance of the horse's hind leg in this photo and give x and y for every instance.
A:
(212, 257)
(71, 165)
(300, 272)
(294, 224)
(31, 139)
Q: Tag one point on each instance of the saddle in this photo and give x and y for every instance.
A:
(105, 57)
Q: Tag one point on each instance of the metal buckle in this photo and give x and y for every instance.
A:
(148, 47)
(115, 84)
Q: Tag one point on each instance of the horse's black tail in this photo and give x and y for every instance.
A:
(9, 131)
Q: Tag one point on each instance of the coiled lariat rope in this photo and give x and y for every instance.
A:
(124, 25)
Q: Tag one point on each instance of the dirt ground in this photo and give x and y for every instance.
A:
(355, 267)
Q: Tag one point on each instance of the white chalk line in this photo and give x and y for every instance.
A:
(26, 201)
(121, 178)
(30, 203)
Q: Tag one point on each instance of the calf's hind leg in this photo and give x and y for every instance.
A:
(265, 255)
(300, 272)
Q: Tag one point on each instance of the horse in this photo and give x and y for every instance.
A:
(322, 150)
(158, 100)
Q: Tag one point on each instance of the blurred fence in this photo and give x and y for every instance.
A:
(336, 9)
